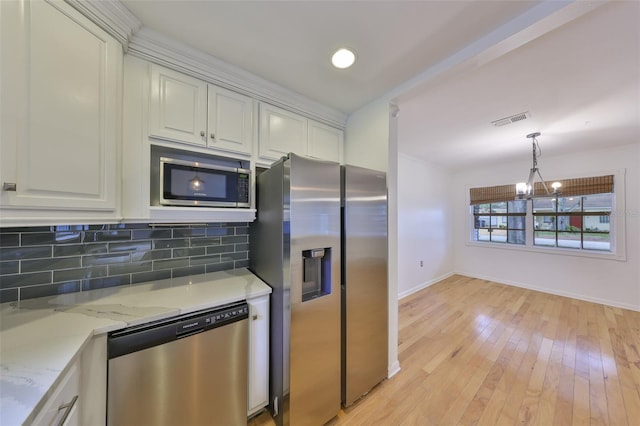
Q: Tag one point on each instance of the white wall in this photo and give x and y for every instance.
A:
(424, 224)
(607, 281)
(370, 141)
(367, 137)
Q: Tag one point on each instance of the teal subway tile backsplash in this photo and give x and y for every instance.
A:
(45, 261)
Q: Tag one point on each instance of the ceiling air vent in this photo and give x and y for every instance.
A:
(511, 119)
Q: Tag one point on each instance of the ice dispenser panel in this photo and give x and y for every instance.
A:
(316, 280)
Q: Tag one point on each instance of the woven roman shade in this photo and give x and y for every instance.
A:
(492, 194)
(570, 187)
(582, 186)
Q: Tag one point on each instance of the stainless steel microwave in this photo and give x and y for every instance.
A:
(198, 181)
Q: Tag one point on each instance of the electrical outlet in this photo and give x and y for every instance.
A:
(421, 263)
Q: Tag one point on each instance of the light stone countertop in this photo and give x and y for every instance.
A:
(40, 337)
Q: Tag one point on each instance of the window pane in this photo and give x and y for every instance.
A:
(516, 222)
(544, 238)
(544, 205)
(483, 235)
(516, 237)
(499, 222)
(544, 223)
(481, 208)
(596, 242)
(569, 239)
(482, 222)
(596, 223)
(597, 202)
(569, 223)
(499, 236)
(569, 204)
(499, 207)
(517, 206)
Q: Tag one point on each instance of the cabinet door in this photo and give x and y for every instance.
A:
(63, 402)
(258, 395)
(325, 142)
(230, 120)
(178, 107)
(60, 100)
(281, 132)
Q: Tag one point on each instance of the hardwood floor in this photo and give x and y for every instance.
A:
(478, 352)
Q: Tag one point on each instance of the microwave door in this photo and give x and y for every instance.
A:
(191, 184)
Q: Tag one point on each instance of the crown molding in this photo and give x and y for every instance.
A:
(160, 49)
(113, 17)
(110, 15)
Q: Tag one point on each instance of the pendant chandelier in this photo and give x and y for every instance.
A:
(526, 190)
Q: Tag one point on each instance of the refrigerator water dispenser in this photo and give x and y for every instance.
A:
(316, 280)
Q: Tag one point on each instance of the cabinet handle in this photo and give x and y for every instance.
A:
(212, 136)
(202, 133)
(9, 186)
(67, 407)
(255, 317)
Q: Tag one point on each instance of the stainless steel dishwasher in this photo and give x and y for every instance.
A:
(186, 370)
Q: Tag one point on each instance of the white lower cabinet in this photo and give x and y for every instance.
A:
(93, 382)
(258, 390)
(62, 408)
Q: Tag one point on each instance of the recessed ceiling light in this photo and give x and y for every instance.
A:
(343, 58)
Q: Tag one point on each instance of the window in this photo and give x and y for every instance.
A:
(578, 220)
(573, 222)
(501, 222)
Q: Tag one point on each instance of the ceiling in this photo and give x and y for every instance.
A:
(580, 84)
(577, 75)
(291, 42)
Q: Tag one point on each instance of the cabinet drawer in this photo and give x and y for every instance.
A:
(62, 406)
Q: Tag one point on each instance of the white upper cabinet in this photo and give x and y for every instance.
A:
(230, 120)
(325, 142)
(282, 132)
(178, 107)
(61, 94)
(187, 110)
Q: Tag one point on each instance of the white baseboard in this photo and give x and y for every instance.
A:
(572, 295)
(393, 369)
(423, 285)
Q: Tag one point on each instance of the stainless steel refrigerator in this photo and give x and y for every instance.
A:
(295, 248)
(364, 281)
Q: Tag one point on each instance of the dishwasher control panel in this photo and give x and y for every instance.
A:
(144, 336)
(229, 314)
(214, 319)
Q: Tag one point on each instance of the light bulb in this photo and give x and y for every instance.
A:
(343, 58)
(521, 188)
(196, 184)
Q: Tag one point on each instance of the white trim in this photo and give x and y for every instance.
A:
(157, 48)
(110, 15)
(49, 220)
(393, 369)
(114, 18)
(424, 285)
(550, 250)
(568, 294)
